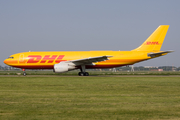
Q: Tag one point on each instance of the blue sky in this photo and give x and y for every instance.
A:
(84, 25)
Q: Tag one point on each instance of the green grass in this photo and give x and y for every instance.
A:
(89, 98)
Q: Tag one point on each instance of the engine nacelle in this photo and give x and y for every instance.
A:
(63, 67)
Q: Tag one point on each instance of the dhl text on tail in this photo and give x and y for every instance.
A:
(64, 61)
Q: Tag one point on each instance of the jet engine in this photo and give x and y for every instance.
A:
(63, 67)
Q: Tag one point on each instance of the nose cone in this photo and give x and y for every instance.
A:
(6, 62)
(10, 62)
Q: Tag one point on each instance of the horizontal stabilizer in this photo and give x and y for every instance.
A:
(152, 54)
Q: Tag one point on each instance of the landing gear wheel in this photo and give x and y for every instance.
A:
(86, 74)
(24, 73)
(81, 74)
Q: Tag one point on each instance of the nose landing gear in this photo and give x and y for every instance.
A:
(24, 73)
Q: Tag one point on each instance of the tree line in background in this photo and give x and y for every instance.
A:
(149, 68)
(126, 68)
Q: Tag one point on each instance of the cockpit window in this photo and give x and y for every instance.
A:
(11, 57)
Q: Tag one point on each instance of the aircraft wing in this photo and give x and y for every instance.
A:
(152, 54)
(90, 60)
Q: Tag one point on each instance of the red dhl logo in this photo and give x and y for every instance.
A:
(49, 58)
(152, 43)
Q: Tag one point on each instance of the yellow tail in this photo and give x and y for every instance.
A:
(155, 40)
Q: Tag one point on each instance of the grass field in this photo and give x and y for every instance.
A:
(89, 98)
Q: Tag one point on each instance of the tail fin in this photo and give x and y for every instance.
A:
(155, 40)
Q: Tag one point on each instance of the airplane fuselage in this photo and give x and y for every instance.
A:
(46, 60)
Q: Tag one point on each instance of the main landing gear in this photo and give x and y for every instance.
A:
(83, 74)
(83, 71)
(24, 73)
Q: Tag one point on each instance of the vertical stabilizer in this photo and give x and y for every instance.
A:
(155, 40)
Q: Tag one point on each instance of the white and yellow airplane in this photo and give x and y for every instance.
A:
(64, 61)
